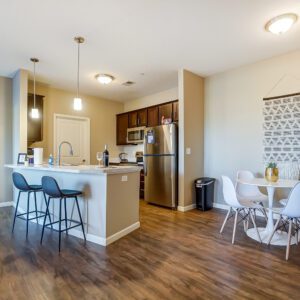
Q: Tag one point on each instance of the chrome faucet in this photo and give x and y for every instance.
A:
(59, 151)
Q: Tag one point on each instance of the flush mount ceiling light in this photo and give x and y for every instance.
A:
(281, 24)
(77, 102)
(34, 111)
(104, 78)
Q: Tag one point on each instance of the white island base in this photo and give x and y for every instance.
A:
(109, 206)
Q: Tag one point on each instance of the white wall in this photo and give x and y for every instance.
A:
(20, 88)
(5, 138)
(157, 98)
(233, 113)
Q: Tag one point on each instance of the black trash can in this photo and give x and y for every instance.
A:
(204, 193)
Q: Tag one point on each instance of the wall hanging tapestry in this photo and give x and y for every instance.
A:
(281, 127)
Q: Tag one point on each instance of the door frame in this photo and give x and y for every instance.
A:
(88, 123)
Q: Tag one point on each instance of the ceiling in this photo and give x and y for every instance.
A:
(127, 38)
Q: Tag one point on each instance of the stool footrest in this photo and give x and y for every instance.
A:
(63, 220)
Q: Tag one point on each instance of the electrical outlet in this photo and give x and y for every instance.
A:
(124, 178)
(188, 151)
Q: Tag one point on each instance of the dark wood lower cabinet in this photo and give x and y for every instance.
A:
(142, 184)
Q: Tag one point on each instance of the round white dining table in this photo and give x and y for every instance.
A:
(280, 237)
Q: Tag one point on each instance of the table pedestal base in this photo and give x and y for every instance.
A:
(279, 237)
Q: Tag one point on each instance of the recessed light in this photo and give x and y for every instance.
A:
(282, 23)
(104, 78)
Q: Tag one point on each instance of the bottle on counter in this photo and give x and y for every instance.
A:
(51, 160)
(105, 157)
(26, 162)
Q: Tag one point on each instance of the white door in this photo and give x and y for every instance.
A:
(75, 130)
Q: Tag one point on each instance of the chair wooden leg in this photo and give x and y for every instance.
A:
(296, 231)
(16, 211)
(234, 226)
(254, 224)
(274, 229)
(225, 220)
(289, 240)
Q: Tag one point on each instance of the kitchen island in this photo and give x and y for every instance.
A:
(110, 202)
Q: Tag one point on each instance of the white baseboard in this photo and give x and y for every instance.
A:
(6, 204)
(97, 239)
(221, 206)
(186, 208)
(122, 233)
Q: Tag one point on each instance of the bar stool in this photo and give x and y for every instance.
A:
(51, 188)
(21, 184)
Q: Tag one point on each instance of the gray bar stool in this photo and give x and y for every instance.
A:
(53, 191)
(21, 184)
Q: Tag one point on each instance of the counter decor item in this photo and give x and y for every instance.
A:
(271, 172)
(21, 158)
(38, 156)
(105, 157)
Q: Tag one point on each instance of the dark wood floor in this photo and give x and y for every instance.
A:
(172, 256)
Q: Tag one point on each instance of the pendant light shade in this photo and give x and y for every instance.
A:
(77, 102)
(35, 114)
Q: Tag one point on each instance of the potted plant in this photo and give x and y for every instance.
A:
(271, 173)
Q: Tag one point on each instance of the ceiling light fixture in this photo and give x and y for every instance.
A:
(281, 24)
(104, 78)
(34, 111)
(77, 102)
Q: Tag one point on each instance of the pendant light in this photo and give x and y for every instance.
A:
(34, 111)
(77, 102)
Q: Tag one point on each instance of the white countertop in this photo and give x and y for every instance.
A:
(82, 169)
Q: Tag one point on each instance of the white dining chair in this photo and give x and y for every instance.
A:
(290, 214)
(250, 192)
(243, 208)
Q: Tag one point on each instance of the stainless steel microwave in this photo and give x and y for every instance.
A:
(135, 135)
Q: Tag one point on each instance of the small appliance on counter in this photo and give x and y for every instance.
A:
(139, 158)
(123, 157)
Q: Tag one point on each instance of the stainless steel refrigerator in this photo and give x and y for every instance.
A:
(160, 165)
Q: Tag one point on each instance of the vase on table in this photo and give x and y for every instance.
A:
(271, 172)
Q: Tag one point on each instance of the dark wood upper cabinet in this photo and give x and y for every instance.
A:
(137, 118)
(175, 111)
(122, 125)
(149, 116)
(152, 116)
(142, 117)
(132, 119)
(166, 111)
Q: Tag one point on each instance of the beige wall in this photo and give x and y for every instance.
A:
(153, 99)
(19, 112)
(233, 113)
(102, 114)
(5, 138)
(191, 134)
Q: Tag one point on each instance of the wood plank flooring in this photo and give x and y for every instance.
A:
(173, 255)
